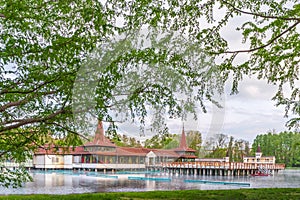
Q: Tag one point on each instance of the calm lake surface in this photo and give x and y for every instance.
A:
(66, 182)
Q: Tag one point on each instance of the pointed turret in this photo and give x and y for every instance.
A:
(258, 153)
(99, 135)
(100, 139)
(183, 147)
(182, 144)
(258, 149)
(185, 153)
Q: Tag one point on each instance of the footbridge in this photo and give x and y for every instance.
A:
(216, 168)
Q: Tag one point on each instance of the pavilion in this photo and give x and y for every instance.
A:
(102, 154)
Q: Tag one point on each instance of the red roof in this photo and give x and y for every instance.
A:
(165, 152)
(182, 145)
(52, 149)
(258, 149)
(125, 151)
(188, 156)
(100, 139)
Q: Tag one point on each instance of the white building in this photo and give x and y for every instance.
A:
(259, 159)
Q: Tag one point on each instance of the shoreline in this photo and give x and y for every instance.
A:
(262, 193)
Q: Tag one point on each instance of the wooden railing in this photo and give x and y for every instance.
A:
(222, 165)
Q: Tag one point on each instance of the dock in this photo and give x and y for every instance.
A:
(215, 168)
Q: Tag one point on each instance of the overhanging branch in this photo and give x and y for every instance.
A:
(67, 129)
(259, 14)
(32, 120)
(265, 45)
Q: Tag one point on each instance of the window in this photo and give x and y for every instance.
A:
(142, 160)
(55, 160)
(76, 159)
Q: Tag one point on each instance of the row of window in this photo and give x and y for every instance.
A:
(258, 160)
(102, 149)
(100, 159)
(109, 159)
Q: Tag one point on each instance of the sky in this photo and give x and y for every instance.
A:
(243, 116)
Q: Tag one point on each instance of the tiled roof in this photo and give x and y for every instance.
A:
(100, 139)
(52, 149)
(188, 156)
(165, 152)
(129, 151)
(182, 145)
(125, 151)
(258, 149)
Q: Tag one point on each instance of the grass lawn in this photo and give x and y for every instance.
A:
(270, 194)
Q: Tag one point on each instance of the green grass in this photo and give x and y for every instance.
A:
(270, 194)
(294, 168)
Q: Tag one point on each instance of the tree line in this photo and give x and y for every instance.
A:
(285, 146)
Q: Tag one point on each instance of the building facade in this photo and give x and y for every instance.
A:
(102, 154)
(259, 159)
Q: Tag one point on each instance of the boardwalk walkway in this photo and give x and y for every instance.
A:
(217, 168)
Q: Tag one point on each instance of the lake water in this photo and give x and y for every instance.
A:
(66, 182)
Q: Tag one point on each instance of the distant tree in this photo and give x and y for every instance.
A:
(240, 150)
(230, 148)
(247, 148)
(124, 140)
(171, 141)
(216, 146)
(221, 145)
(284, 146)
(162, 141)
(194, 140)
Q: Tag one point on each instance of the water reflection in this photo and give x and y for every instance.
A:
(65, 182)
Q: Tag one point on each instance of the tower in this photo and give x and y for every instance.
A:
(182, 144)
(258, 153)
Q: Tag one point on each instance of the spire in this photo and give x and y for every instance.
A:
(258, 149)
(99, 135)
(182, 144)
(258, 153)
(100, 139)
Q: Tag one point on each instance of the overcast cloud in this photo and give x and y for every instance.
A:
(243, 116)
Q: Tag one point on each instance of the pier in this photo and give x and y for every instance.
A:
(216, 168)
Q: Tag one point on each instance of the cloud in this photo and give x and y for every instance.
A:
(245, 115)
(252, 89)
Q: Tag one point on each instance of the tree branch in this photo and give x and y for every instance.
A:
(6, 91)
(265, 45)
(258, 14)
(25, 100)
(67, 129)
(32, 120)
